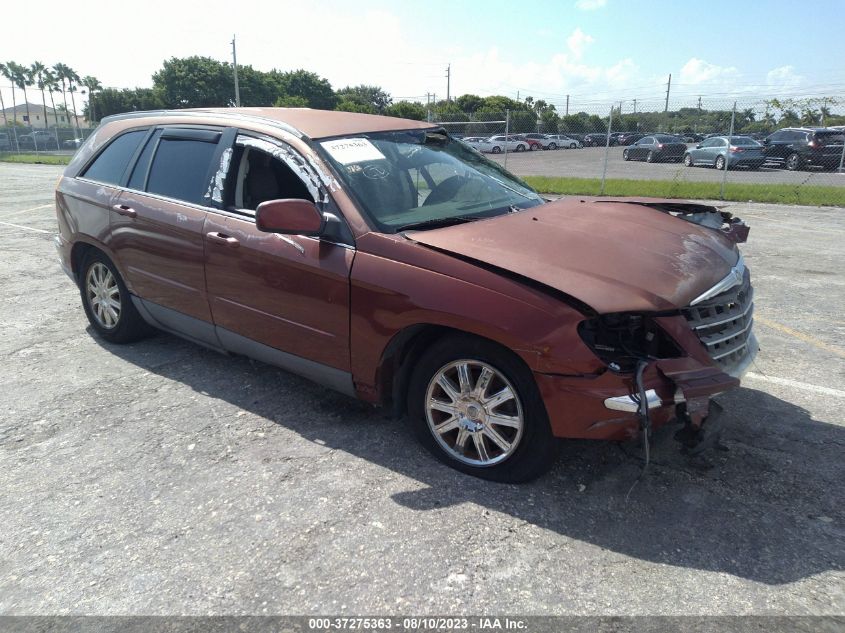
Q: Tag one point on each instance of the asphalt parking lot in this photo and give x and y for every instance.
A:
(162, 478)
(588, 162)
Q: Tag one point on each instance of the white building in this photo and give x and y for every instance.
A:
(36, 113)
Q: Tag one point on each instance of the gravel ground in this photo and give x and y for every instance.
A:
(162, 478)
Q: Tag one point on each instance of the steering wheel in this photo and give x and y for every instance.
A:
(446, 190)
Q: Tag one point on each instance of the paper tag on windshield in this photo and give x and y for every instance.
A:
(352, 150)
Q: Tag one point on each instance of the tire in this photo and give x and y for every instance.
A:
(524, 447)
(650, 157)
(573, 146)
(687, 160)
(552, 145)
(793, 162)
(625, 155)
(120, 321)
(496, 149)
(520, 148)
(720, 163)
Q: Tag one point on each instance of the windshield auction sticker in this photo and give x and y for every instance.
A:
(352, 150)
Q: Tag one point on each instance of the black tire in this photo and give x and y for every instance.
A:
(573, 146)
(520, 147)
(793, 162)
(625, 155)
(720, 163)
(650, 158)
(130, 326)
(496, 149)
(536, 448)
(552, 145)
(688, 160)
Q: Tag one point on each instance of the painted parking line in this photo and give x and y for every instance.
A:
(803, 386)
(27, 228)
(800, 336)
(38, 208)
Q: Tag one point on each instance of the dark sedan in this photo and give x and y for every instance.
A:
(655, 148)
(628, 138)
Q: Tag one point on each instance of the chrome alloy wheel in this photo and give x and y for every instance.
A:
(103, 295)
(474, 413)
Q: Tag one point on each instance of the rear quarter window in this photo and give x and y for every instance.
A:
(180, 169)
(112, 162)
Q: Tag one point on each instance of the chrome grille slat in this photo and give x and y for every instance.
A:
(723, 324)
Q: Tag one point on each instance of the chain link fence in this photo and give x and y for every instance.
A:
(725, 150)
(21, 139)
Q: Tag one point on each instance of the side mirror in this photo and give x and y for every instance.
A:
(698, 146)
(289, 216)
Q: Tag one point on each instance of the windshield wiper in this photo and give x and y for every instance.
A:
(436, 223)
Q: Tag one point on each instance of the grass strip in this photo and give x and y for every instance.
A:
(35, 159)
(814, 195)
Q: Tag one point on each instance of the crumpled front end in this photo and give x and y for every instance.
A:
(672, 362)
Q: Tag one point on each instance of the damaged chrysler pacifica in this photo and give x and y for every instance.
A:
(384, 259)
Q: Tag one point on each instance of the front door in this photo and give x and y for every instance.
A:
(286, 293)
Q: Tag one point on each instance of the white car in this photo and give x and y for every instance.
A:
(560, 140)
(499, 144)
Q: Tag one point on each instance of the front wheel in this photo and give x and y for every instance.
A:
(107, 303)
(476, 407)
(687, 160)
(720, 163)
(573, 146)
(793, 162)
(552, 145)
(520, 148)
(626, 155)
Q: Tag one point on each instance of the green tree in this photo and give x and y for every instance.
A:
(8, 71)
(407, 110)
(194, 82)
(19, 76)
(291, 102)
(37, 70)
(373, 96)
(64, 73)
(93, 85)
(469, 103)
(310, 86)
(348, 105)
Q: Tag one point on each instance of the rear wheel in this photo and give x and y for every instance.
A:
(496, 149)
(107, 303)
(476, 407)
(552, 145)
(720, 163)
(650, 157)
(520, 148)
(793, 162)
(625, 155)
(573, 146)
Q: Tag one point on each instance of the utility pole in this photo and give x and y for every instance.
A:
(824, 105)
(567, 105)
(699, 102)
(235, 66)
(448, 80)
(635, 106)
(668, 87)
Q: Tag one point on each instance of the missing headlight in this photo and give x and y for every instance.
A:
(621, 340)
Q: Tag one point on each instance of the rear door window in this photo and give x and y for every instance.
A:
(109, 166)
(180, 169)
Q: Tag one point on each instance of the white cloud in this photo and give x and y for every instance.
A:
(783, 77)
(578, 42)
(590, 5)
(697, 71)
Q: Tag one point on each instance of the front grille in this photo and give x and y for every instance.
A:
(723, 324)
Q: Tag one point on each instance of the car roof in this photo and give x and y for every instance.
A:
(314, 124)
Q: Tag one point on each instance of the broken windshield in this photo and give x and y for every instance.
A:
(422, 178)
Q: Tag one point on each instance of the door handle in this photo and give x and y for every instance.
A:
(122, 209)
(220, 238)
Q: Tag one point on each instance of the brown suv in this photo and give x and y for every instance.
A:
(383, 259)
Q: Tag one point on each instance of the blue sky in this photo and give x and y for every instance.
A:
(597, 51)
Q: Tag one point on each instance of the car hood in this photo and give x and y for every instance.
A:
(611, 256)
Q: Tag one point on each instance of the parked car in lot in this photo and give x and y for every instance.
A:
(654, 148)
(499, 144)
(627, 138)
(39, 140)
(556, 141)
(5, 142)
(597, 140)
(390, 262)
(73, 143)
(535, 141)
(720, 151)
(796, 148)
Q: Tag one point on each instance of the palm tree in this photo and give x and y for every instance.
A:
(93, 84)
(62, 71)
(37, 71)
(3, 105)
(22, 78)
(52, 86)
(8, 70)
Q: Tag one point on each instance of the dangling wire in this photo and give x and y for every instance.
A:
(645, 421)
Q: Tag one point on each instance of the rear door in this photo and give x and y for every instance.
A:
(157, 227)
(289, 293)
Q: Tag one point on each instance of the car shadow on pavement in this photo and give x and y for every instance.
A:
(770, 508)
